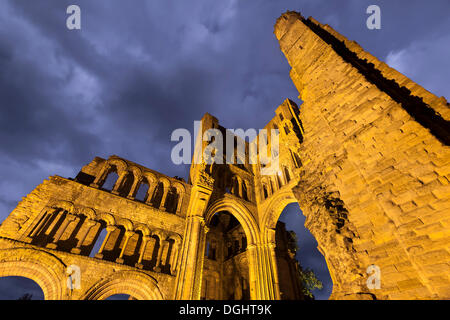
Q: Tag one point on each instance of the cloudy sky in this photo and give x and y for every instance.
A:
(137, 70)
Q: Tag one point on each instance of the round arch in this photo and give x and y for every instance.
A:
(40, 266)
(240, 212)
(121, 165)
(272, 214)
(134, 283)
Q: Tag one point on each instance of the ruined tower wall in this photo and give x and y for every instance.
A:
(439, 104)
(374, 185)
(62, 219)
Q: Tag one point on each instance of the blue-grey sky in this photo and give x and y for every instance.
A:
(137, 70)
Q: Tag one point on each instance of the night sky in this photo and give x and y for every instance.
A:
(137, 70)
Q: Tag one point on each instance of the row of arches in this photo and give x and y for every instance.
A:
(271, 184)
(81, 231)
(134, 183)
(50, 275)
(230, 182)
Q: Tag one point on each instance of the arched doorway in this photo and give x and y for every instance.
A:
(226, 255)
(246, 218)
(283, 210)
(19, 288)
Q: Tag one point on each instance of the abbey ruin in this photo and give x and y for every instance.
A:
(366, 157)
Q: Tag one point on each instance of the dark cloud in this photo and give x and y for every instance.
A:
(140, 69)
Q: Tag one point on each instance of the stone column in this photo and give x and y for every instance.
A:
(150, 191)
(180, 202)
(233, 186)
(118, 183)
(145, 240)
(239, 182)
(188, 282)
(89, 224)
(69, 218)
(273, 259)
(109, 230)
(192, 260)
(249, 192)
(46, 215)
(162, 247)
(128, 235)
(253, 272)
(174, 257)
(162, 205)
(132, 193)
(100, 176)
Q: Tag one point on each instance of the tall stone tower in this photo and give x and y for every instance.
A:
(366, 157)
(374, 182)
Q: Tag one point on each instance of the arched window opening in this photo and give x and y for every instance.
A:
(47, 226)
(100, 238)
(153, 250)
(141, 194)
(172, 200)
(158, 195)
(19, 288)
(150, 253)
(131, 253)
(112, 247)
(265, 191)
(226, 255)
(110, 180)
(127, 183)
(298, 258)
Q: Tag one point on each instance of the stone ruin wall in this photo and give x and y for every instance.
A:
(376, 166)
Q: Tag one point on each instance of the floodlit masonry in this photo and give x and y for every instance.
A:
(366, 157)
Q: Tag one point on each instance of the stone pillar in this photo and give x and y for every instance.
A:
(119, 182)
(100, 176)
(192, 260)
(249, 192)
(180, 202)
(239, 182)
(253, 272)
(273, 264)
(42, 220)
(69, 218)
(162, 205)
(145, 240)
(109, 230)
(174, 257)
(89, 224)
(262, 281)
(189, 276)
(162, 247)
(128, 235)
(233, 186)
(150, 191)
(132, 193)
